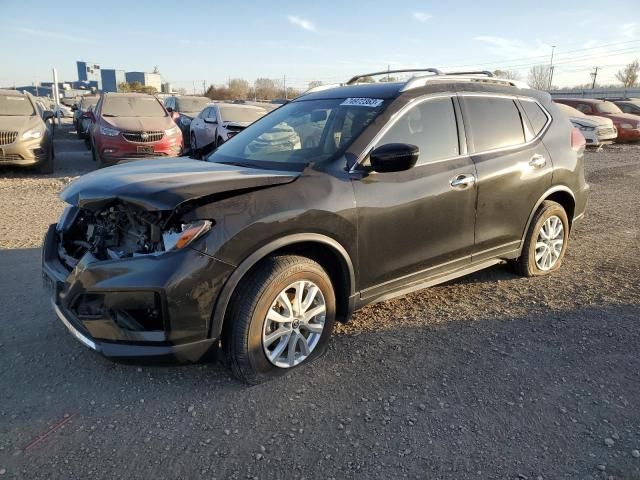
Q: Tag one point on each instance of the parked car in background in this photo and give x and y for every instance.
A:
(262, 250)
(81, 108)
(596, 130)
(131, 126)
(219, 122)
(628, 125)
(86, 123)
(62, 111)
(186, 108)
(629, 105)
(26, 132)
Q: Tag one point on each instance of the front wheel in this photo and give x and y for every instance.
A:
(546, 241)
(281, 317)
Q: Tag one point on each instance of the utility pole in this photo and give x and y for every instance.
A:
(388, 71)
(551, 67)
(284, 84)
(56, 95)
(594, 75)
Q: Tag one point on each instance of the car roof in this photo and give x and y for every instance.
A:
(128, 94)
(10, 92)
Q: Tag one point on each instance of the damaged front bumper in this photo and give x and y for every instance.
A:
(141, 306)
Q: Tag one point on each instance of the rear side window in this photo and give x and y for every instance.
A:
(494, 122)
(535, 114)
(431, 126)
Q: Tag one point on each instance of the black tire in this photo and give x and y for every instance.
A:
(97, 158)
(526, 265)
(47, 166)
(250, 303)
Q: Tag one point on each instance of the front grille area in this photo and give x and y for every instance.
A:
(143, 137)
(7, 137)
(10, 157)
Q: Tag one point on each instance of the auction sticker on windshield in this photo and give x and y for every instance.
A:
(362, 102)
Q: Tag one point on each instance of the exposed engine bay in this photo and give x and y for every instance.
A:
(116, 232)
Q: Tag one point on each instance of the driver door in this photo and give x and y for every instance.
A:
(419, 222)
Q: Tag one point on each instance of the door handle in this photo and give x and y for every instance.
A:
(537, 161)
(463, 180)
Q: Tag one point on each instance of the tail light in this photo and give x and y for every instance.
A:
(577, 139)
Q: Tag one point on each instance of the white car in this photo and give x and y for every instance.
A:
(596, 130)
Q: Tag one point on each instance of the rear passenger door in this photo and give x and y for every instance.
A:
(419, 222)
(513, 167)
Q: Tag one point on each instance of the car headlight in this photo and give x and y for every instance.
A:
(190, 232)
(585, 128)
(626, 125)
(109, 132)
(172, 131)
(185, 121)
(33, 133)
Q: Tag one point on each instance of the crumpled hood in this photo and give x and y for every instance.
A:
(140, 124)
(163, 184)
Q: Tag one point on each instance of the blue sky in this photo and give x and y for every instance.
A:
(322, 40)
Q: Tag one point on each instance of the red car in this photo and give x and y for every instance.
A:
(628, 125)
(132, 126)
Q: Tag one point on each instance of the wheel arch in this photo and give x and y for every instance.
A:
(559, 194)
(327, 251)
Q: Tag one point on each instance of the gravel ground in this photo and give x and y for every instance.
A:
(489, 377)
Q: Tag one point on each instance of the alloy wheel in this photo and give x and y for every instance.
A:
(294, 324)
(549, 243)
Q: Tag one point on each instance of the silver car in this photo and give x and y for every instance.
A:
(218, 122)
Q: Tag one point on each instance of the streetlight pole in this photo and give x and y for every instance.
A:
(553, 47)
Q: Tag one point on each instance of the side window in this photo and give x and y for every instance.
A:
(431, 126)
(204, 113)
(494, 122)
(212, 115)
(584, 108)
(535, 114)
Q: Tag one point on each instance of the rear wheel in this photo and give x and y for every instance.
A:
(546, 241)
(281, 317)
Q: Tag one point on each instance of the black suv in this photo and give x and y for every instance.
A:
(343, 197)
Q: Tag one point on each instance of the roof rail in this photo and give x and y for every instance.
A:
(388, 72)
(477, 72)
(418, 81)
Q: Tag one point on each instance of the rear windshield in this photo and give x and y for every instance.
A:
(15, 106)
(607, 107)
(125, 106)
(191, 104)
(241, 114)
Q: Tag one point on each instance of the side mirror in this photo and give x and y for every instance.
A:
(47, 115)
(211, 120)
(174, 115)
(89, 115)
(394, 157)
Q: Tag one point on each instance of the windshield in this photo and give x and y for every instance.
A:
(241, 114)
(191, 104)
(607, 107)
(300, 132)
(570, 111)
(88, 101)
(15, 106)
(125, 106)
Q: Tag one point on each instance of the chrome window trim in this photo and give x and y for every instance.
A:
(416, 101)
(511, 97)
(395, 117)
